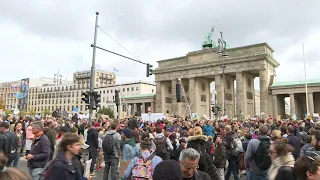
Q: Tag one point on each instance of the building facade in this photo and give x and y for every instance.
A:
(127, 91)
(15, 93)
(102, 78)
(198, 69)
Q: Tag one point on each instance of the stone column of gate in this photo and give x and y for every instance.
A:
(292, 105)
(264, 85)
(135, 108)
(160, 97)
(174, 104)
(240, 96)
(219, 89)
(310, 102)
(193, 95)
(153, 107)
(275, 106)
(143, 108)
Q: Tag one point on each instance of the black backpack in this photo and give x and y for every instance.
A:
(261, 156)
(161, 148)
(108, 144)
(10, 145)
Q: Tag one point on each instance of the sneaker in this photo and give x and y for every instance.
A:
(92, 174)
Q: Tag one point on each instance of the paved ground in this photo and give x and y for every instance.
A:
(23, 166)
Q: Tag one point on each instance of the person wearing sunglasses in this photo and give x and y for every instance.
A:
(282, 161)
(307, 168)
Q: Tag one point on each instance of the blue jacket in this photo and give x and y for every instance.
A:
(129, 152)
(40, 149)
(209, 130)
(155, 160)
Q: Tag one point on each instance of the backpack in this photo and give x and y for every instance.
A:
(10, 146)
(142, 169)
(261, 156)
(161, 147)
(108, 144)
(46, 170)
(236, 147)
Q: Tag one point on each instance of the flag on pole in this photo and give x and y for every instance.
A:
(97, 66)
(115, 69)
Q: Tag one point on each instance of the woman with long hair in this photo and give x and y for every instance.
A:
(282, 161)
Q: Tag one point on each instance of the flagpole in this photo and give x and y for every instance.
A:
(305, 79)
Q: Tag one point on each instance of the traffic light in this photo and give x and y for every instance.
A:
(212, 109)
(86, 97)
(117, 98)
(149, 70)
(97, 100)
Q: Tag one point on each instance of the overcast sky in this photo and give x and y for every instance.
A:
(38, 37)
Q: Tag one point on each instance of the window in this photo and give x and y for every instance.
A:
(128, 89)
(124, 89)
(111, 91)
(107, 91)
(137, 88)
(132, 89)
(152, 90)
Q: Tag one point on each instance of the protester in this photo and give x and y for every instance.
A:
(8, 143)
(282, 161)
(189, 159)
(143, 165)
(167, 170)
(307, 168)
(93, 142)
(66, 166)
(39, 154)
(11, 173)
(112, 151)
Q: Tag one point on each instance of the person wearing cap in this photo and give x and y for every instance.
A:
(93, 142)
(129, 145)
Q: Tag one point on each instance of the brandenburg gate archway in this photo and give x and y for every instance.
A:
(199, 68)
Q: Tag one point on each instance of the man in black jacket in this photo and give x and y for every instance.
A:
(66, 165)
(8, 143)
(220, 155)
(93, 142)
(189, 159)
(39, 154)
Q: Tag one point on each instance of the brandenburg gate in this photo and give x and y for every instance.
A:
(199, 68)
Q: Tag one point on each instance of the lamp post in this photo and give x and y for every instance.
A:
(57, 80)
(222, 50)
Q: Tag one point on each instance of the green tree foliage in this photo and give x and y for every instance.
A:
(106, 111)
(32, 112)
(2, 104)
(46, 112)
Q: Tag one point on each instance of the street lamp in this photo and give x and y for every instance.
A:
(57, 80)
(222, 50)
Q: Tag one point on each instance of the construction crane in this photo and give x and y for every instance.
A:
(188, 108)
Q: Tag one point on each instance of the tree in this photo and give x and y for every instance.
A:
(46, 112)
(23, 113)
(106, 111)
(2, 104)
(32, 112)
(7, 111)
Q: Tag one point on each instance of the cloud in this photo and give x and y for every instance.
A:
(38, 37)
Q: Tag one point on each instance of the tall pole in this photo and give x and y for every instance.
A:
(305, 79)
(93, 67)
(222, 50)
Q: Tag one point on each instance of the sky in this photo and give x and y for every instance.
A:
(38, 37)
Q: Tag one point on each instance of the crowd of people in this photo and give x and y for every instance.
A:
(168, 149)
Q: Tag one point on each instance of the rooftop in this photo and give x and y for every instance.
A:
(295, 83)
(127, 83)
(97, 70)
(140, 95)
